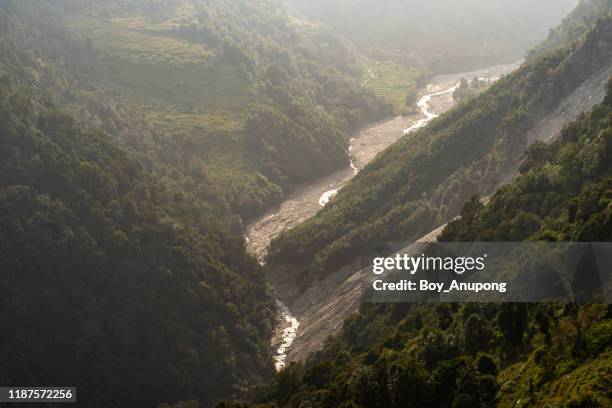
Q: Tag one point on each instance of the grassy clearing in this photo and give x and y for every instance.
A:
(194, 100)
(136, 39)
(390, 80)
(146, 62)
(185, 86)
(214, 141)
(214, 137)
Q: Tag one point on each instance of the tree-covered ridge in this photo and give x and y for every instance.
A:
(265, 101)
(423, 180)
(113, 278)
(484, 355)
(573, 26)
(564, 191)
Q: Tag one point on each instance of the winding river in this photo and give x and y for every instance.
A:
(306, 200)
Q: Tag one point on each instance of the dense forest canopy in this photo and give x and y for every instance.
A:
(422, 181)
(114, 279)
(239, 91)
(258, 100)
(483, 355)
(138, 136)
(442, 35)
(471, 355)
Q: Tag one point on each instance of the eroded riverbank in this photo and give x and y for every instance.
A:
(363, 148)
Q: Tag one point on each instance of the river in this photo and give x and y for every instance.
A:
(306, 200)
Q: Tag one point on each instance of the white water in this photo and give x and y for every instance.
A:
(423, 105)
(328, 195)
(303, 205)
(287, 336)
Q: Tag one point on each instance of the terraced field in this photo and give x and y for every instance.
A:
(150, 63)
(196, 74)
(391, 80)
(192, 97)
(138, 38)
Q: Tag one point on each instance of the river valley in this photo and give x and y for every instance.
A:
(305, 201)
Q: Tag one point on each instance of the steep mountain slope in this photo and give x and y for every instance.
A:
(258, 100)
(485, 355)
(572, 201)
(114, 279)
(573, 26)
(422, 181)
(440, 35)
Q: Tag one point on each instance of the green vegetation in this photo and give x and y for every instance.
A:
(136, 137)
(485, 355)
(393, 81)
(564, 191)
(116, 279)
(423, 180)
(453, 355)
(290, 91)
(574, 25)
(469, 89)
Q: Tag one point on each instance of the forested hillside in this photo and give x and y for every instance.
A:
(574, 25)
(135, 141)
(440, 35)
(257, 100)
(563, 194)
(484, 355)
(137, 137)
(422, 182)
(114, 279)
